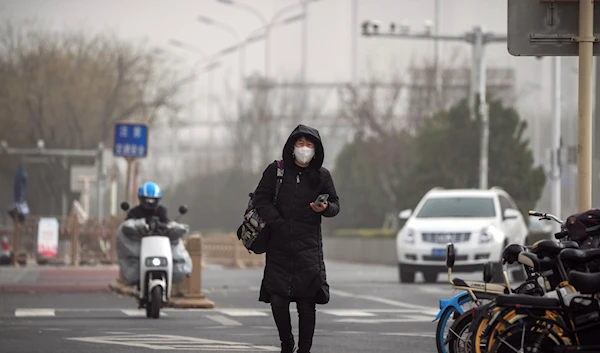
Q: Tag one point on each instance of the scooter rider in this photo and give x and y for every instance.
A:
(149, 196)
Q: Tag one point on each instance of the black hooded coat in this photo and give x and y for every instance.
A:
(294, 259)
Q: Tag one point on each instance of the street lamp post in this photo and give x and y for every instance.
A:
(266, 24)
(242, 53)
(263, 21)
(478, 40)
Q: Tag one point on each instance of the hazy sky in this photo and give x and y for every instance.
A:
(330, 35)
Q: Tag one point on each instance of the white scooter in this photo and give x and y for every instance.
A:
(156, 266)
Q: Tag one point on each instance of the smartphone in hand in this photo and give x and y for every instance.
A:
(321, 198)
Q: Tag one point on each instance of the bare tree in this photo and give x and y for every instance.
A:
(374, 113)
(69, 89)
(268, 114)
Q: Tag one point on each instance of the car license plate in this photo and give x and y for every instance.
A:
(440, 252)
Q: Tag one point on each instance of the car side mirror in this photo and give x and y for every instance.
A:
(405, 214)
(125, 206)
(488, 272)
(183, 209)
(511, 213)
(450, 255)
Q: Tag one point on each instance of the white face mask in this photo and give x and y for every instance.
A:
(304, 154)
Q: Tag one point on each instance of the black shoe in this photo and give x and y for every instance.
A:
(288, 347)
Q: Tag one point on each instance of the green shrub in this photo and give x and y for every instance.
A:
(365, 233)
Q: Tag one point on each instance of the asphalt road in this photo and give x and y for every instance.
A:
(369, 312)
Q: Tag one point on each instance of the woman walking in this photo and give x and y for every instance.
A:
(295, 269)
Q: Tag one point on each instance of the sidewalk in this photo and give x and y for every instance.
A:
(62, 279)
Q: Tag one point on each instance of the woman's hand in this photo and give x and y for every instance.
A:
(320, 207)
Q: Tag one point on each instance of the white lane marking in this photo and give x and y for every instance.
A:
(35, 313)
(340, 293)
(137, 313)
(225, 321)
(395, 302)
(343, 312)
(406, 318)
(428, 335)
(242, 312)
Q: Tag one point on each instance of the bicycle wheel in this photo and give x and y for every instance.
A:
(527, 335)
(485, 324)
(451, 313)
(460, 339)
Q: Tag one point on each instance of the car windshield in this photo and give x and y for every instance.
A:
(451, 207)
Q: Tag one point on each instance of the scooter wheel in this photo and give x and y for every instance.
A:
(153, 306)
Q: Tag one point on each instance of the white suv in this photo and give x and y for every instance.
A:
(480, 223)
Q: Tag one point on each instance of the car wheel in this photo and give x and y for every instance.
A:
(430, 276)
(498, 275)
(406, 276)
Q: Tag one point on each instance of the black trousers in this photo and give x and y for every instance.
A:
(307, 320)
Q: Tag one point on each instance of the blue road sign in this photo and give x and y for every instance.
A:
(131, 140)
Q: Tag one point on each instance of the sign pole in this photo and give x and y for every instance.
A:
(128, 183)
(16, 241)
(584, 150)
(136, 171)
(99, 178)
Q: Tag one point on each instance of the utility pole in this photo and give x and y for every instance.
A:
(478, 40)
(556, 139)
(438, 49)
(354, 53)
(596, 175)
(584, 129)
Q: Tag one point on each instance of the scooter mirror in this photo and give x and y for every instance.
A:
(450, 256)
(183, 209)
(488, 272)
(125, 206)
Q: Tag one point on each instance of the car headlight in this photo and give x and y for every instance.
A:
(409, 236)
(488, 234)
(156, 261)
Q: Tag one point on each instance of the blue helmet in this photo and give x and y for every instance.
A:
(149, 195)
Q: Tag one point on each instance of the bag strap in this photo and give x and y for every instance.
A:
(279, 179)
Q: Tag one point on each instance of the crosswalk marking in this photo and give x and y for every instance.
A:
(172, 342)
(224, 320)
(344, 312)
(138, 313)
(227, 311)
(226, 317)
(242, 312)
(35, 313)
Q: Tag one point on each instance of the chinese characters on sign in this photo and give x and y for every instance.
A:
(131, 140)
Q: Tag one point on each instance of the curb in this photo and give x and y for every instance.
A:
(120, 288)
(54, 288)
(199, 302)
